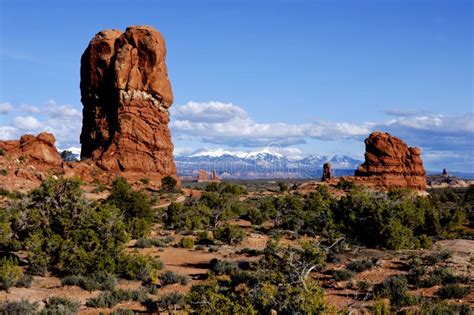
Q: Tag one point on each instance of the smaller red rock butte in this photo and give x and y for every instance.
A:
(38, 152)
(204, 177)
(326, 172)
(389, 162)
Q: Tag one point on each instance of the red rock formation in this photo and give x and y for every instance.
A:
(214, 176)
(28, 161)
(326, 172)
(202, 176)
(38, 151)
(126, 95)
(389, 162)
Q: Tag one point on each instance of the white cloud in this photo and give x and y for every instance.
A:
(30, 109)
(27, 123)
(209, 112)
(5, 108)
(8, 133)
(403, 112)
(229, 124)
(183, 151)
(63, 111)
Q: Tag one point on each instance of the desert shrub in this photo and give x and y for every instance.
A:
(342, 274)
(168, 184)
(380, 307)
(346, 185)
(442, 276)
(203, 238)
(122, 311)
(10, 273)
(250, 251)
(24, 281)
(363, 285)
(435, 258)
(187, 242)
(394, 288)
(170, 277)
(102, 281)
(2, 152)
(59, 306)
(399, 218)
(140, 267)
(230, 234)
(453, 291)
(162, 242)
(444, 308)
(18, 307)
(282, 186)
(109, 299)
(144, 181)
(223, 267)
(61, 230)
(3, 172)
(135, 207)
(143, 243)
(255, 216)
(360, 265)
(171, 301)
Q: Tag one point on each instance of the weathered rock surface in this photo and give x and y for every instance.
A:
(326, 172)
(26, 162)
(389, 162)
(38, 152)
(126, 95)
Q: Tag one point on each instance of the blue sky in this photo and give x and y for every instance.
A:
(311, 76)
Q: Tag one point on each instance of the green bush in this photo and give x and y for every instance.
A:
(135, 206)
(168, 184)
(22, 307)
(223, 267)
(61, 230)
(122, 311)
(394, 288)
(3, 172)
(140, 267)
(187, 242)
(453, 291)
(343, 274)
(59, 306)
(109, 299)
(2, 152)
(230, 234)
(171, 301)
(360, 265)
(102, 281)
(143, 243)
(24, 282)
(435, 258)
(10, 273)
(170, 277)
(442, 276)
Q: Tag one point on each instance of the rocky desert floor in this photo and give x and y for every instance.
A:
(194, 263)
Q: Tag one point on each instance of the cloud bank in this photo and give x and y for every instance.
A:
(445, 140)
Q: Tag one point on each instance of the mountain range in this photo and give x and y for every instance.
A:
(261, 164)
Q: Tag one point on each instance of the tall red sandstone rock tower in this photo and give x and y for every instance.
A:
(389, 162)
(126, 95)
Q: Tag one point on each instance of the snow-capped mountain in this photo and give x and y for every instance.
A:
(265, 163)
